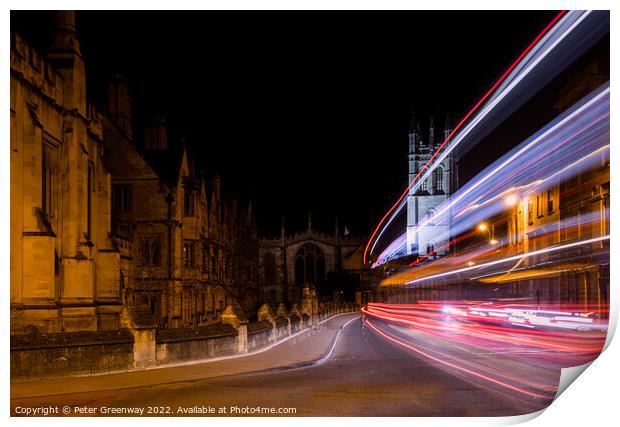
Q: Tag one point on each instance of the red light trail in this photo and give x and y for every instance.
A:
(463, 120)
(474, 338)
(455, 366)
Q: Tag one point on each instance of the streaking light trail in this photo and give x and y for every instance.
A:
(512, 258)
(505, 281)
(573, 142)
(550, 39)
(458, 126)
(461, 336)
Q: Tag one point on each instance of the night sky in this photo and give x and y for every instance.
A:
(300, 111)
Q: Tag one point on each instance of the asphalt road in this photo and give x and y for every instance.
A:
(366, 375)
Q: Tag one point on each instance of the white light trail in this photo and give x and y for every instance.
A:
(548, 43)
(512, 258)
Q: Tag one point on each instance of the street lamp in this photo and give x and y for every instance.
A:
(511, 200)
(483, 227)
(493, 241)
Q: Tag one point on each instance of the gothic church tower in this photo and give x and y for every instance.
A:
(433, 191)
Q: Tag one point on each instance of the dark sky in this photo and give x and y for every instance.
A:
(300, 111)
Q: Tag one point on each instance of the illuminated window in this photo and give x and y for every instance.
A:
(530, 211)
(549, 202)
(539, 204)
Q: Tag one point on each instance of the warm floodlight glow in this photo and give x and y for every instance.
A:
(511, 200)
(483, 227)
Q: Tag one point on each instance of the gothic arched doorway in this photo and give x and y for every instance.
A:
(309, 265)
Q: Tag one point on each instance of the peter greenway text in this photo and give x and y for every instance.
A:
(43, 411)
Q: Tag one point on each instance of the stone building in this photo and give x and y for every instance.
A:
(573, 210)
(194, 251)
(330, 263)
(423, 201)
(122, 257)
(569, 210)
(102, 232)
(65, 264)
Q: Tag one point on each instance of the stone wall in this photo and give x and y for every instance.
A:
(260, 334)
(141, 346)
(281, 328)
(80, 353)
(181, 345)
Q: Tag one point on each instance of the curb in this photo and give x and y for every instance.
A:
(315, 362)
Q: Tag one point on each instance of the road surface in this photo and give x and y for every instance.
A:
(365, 375)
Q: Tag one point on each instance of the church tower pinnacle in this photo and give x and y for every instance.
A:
(414, 135)
(431, 189)
(447, 127)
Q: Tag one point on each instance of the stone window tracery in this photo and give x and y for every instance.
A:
(309, 265)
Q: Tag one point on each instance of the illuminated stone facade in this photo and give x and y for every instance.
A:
(326, 262)
(103, 234)
(568, 211)
(65, 264)
(194, 251)
(423, 201)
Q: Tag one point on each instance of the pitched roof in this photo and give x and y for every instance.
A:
(166, 164)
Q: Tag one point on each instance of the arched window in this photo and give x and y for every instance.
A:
(430, 216)
(438, 181)
(269, 266)
(309, 265)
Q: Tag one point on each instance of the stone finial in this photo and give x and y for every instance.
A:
(295, 310)
(266, 313)
(282, 311)
(282, 231)
(234, 315)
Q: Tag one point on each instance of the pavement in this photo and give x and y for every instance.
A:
(306, 348)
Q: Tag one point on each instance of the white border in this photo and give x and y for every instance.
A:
(591, 401)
